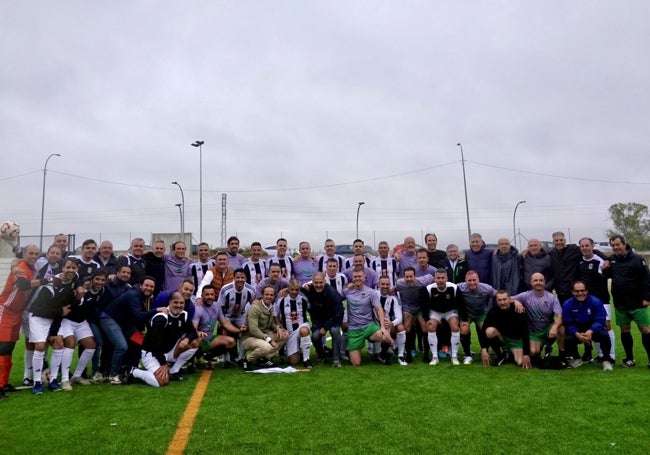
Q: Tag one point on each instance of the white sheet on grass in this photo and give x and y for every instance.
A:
(275, 370)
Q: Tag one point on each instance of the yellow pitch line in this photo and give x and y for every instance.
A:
(184, 428)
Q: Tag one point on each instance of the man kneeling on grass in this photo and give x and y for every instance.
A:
(264, 337)
(503, 325)
(167, 340)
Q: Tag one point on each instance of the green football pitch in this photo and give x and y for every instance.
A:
(370, 409)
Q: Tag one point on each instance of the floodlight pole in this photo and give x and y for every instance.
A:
(43, 198)
(183, 213)
(462, 159)
(180, 215)
(358, 208)
(199, 144)
(514, 228)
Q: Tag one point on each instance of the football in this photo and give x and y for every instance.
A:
(10, 230)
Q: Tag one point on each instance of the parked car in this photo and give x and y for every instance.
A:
(603, 247)
(347, 250)
(271, 250)
(400, 247)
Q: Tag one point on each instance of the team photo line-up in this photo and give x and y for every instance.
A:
(153, 315)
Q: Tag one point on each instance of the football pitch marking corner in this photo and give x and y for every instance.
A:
(184, 428)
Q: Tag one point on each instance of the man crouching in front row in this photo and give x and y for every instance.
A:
(264, 337)
(171, 337)
(504, 326)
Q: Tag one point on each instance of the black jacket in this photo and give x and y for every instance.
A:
(630, 280)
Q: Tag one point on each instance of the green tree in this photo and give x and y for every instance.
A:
(633, 221)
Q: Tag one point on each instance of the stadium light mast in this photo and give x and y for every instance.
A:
(43, 198)
(358, 209)
(183, 212)
(180, 214)
(462, 159)
(199, 144)
(514, 227)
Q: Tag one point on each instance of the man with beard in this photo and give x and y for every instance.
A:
(235, 260)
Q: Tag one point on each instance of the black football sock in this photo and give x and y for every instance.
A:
(628, 345)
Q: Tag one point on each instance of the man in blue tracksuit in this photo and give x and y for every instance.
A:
(584, 316)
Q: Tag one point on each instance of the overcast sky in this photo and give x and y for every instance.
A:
(307, 108)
